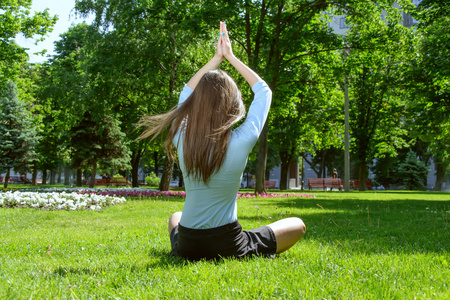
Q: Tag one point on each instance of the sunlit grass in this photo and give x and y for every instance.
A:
(371, 245)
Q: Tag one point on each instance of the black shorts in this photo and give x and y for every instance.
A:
(224, 241)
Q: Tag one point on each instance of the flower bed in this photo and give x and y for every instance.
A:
(140, 192)
(274, 195)
(58, 201)
(181, 194)
(136, 193)
(96, 199)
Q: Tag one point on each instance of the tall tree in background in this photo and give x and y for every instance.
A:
(80, 116)
(379, 52)
(61, 93)
(18, 136)
(310, 123)
(97, 139)
(15, 19)
(127, 85)
(430, 83)
(307, 114)
(161, 40)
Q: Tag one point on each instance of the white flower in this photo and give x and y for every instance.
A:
(57, 200)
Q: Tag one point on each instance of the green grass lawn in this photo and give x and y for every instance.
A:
(370, 245)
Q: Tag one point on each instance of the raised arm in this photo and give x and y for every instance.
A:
(212, 64)
(226, 51)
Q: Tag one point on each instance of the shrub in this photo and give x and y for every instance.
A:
(152, 180)
(412, 172)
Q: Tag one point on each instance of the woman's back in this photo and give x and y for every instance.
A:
(213, 204)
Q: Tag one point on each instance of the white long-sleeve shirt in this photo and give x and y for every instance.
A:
(214, 204)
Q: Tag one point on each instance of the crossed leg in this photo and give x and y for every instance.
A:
(287, 231)
(174, 220)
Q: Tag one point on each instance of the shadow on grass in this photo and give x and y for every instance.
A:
(355, 225)
(157, 259)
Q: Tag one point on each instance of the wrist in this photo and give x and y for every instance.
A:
(217, 59)
(233, 60)
(230, 56)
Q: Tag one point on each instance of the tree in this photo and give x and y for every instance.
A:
(307, 116)
(95, 141)
(16, 19)
(429, 83)
(375, 67)
(18, 136)
(296, 130)
(161, 40)
(62, 89)
(412, 172)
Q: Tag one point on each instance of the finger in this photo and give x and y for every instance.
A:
(221, 28)
(225, 31)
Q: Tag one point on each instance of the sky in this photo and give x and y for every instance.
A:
(64, 10)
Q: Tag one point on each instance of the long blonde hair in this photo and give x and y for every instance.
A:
(205, 119)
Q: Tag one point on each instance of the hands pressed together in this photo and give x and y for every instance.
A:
(223, 44)
(224, 51)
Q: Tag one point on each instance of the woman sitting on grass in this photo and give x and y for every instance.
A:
(212, 158)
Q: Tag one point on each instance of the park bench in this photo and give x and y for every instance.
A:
(102, 181)
(119, 181)
(325, 183)
(335, 183)
(354, 184)
(16, 179)
(270, 184)
(315, 183)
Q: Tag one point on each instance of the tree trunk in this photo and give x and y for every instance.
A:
(440, 173)
(94, 172)
(5, 185)
(155, 157)
(362, 175)
(248, 182)
(303, 174)
(135, 160)
(261, 160)
(135, 175)
(59, 176)
(79, 177)
(286, 160)
(67, 175)
(324, 173)
(267, 174)
(44, 176)
(284, 174)
(164, 185)
(34, 176)
(181, 180)
(52, 176)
